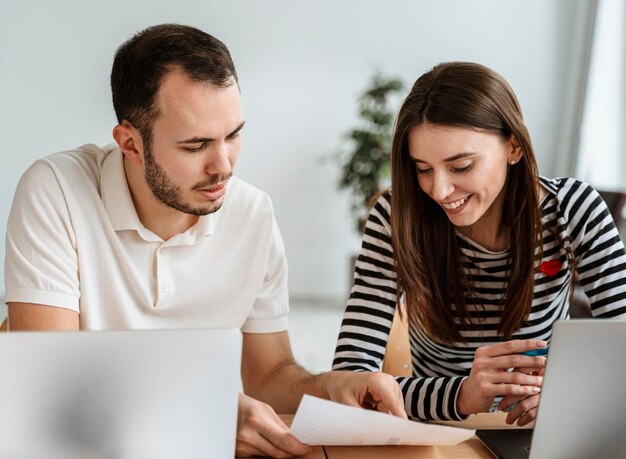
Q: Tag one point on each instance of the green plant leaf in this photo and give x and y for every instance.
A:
(367, 164)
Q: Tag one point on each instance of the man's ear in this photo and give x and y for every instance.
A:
(515, 153)
(129, 140)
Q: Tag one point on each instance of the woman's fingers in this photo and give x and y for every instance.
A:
(524, 412)
(518, 378)
(531, 371)
(527, 417)
(511, 347)
(512, 390)
(504, 362)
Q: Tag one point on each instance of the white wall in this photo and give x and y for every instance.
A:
(301, 65)
(603, 133)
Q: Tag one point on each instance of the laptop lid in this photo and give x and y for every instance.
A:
(582, 411)
(119, 394)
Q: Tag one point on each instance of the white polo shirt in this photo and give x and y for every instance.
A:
(74, 241)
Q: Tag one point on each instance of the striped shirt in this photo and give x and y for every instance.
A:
(572, 208)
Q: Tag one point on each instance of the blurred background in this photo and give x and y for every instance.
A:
(302, 66)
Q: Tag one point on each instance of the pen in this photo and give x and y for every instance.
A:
(536, 352)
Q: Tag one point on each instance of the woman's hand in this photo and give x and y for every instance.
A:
(523, 410)
(491, 377)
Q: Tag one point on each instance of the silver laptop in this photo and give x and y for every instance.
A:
(119, 394)
(582, 412)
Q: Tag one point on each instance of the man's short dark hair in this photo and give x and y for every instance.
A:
(142, 62)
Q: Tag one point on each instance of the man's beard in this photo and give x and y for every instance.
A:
(170, 194)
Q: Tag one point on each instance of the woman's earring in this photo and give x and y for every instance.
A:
(512, 162)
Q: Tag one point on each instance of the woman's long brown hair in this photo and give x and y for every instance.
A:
(426, 253)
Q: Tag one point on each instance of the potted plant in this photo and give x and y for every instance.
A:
(366, 165)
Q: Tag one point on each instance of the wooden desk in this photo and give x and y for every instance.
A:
(472, 448)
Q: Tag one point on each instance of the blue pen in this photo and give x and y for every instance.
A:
(536, 352)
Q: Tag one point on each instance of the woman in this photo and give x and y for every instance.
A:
(482, 250)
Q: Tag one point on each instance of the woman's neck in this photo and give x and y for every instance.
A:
(492, 239)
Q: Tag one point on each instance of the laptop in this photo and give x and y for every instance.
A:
(119, 394)
(507, 443)
(582, 411)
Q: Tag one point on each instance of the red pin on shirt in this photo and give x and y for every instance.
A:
(551, 267)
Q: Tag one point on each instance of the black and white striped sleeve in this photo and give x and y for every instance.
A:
(369, 312)
(599, 250)
(368, 317)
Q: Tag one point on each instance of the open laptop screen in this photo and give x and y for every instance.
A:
(122, 394)
(582, 411)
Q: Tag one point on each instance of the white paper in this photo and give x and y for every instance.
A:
(321, 422)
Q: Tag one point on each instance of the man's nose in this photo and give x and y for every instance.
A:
(218, 161)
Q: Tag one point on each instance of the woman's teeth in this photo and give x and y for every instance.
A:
(454, 204)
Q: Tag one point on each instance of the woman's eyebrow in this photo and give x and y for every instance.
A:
(449, 159)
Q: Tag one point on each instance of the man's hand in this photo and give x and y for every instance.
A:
(260, 432)
(378, 391)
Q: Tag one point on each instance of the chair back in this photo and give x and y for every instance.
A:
(615, 201)
(397, 361)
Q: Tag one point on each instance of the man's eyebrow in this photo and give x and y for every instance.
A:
(237, 129)
(207, 139)
(448, 160)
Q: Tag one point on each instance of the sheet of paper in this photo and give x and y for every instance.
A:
(321, 422)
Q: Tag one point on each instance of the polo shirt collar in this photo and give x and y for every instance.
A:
(121, 210)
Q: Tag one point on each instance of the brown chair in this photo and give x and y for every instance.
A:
(397, 361)
(4, 325)
(615, 201)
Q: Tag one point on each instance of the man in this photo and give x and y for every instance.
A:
(155, 232)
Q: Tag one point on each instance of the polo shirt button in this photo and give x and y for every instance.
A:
(165, 287)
